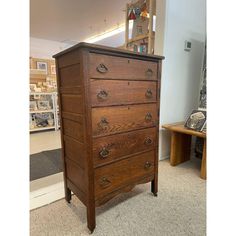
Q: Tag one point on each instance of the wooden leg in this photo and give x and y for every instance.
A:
(203, 166)
(180, 148)
(154, 187)
(91, 222)
(67, 194)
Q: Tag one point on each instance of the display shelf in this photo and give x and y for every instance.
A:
(42, 128)
(42, 111)
(42, 93)
(143, 32)
(137, 38)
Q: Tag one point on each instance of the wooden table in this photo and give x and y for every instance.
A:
(181, 145)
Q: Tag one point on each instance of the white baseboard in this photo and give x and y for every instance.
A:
(46, 190)
(164, 157)
(46, 196)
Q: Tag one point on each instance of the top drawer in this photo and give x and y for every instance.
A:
(111, 67)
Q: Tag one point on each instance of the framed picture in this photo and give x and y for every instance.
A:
(196, 120)
(139, 29)
(53, 69)
(41, 119)
(43, 105)
(33, 87)
(41, 65)
(143, 47)
(33, 106)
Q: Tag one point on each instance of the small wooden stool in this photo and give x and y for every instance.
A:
(181, 145)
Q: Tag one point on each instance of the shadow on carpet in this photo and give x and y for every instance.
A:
(45, 163)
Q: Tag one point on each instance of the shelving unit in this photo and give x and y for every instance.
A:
(43, 89)
(43, 111)
(139, 41)
(57, 112)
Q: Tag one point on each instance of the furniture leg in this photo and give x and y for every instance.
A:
(67, 194)
(180, 148)
(203, 165)
(154, 187)
(91, 222)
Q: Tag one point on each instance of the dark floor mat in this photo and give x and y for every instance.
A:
(45, 163)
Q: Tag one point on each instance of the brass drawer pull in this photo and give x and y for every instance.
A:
(104, 153)
(149, 72)
(103, 122)
(148, 117)
(102, 68)
(147, 165)
(148, 93)
(104, 182)
(102, 95)
(148, 141)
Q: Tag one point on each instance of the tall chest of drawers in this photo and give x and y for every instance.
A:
(109, 109)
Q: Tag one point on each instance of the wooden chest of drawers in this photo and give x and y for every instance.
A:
(109, 105)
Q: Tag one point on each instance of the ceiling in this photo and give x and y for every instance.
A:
(72, 21)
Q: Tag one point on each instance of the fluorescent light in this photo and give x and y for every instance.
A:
(107, 34)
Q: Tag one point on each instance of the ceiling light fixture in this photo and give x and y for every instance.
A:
(107, 34)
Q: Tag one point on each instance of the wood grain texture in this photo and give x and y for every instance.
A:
(179, 127)
(89, 179)
(126, 123)
(76, 174)
(66, 189)
(128, 187)
(122, 68)
(120, 145)
(123, 118)
(69, 59)
(110, 177)
(181, 145)
(73, 129)
(70, 76)
(94, 48)
(75, 151)
(72, 103)
(115, 92)
(154, 183)
(180, 148)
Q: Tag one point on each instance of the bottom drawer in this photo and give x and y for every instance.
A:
(110, 177)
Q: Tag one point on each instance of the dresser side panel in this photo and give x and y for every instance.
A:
(72, 115)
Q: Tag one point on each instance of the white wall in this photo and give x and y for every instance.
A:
(41, 48)
(181, 72)
(113, 41)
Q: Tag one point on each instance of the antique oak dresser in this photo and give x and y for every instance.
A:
(109, 110)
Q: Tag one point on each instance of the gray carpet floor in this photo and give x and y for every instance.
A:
(179, 209)
(45, 163)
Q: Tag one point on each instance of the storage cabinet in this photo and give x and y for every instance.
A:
(109, 107)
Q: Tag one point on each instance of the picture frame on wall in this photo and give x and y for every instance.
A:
(33, 87)
(41, 65)
(139, 30)
(33, 106)
(135, 48)
(143, 47)
(43, 105)
(53, 69)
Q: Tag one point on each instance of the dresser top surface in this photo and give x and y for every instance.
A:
(104, 49)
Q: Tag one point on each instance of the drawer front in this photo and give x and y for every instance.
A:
(110, 177)
(117, 92)
(107, 149)
(111, 67)
(111, 120)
